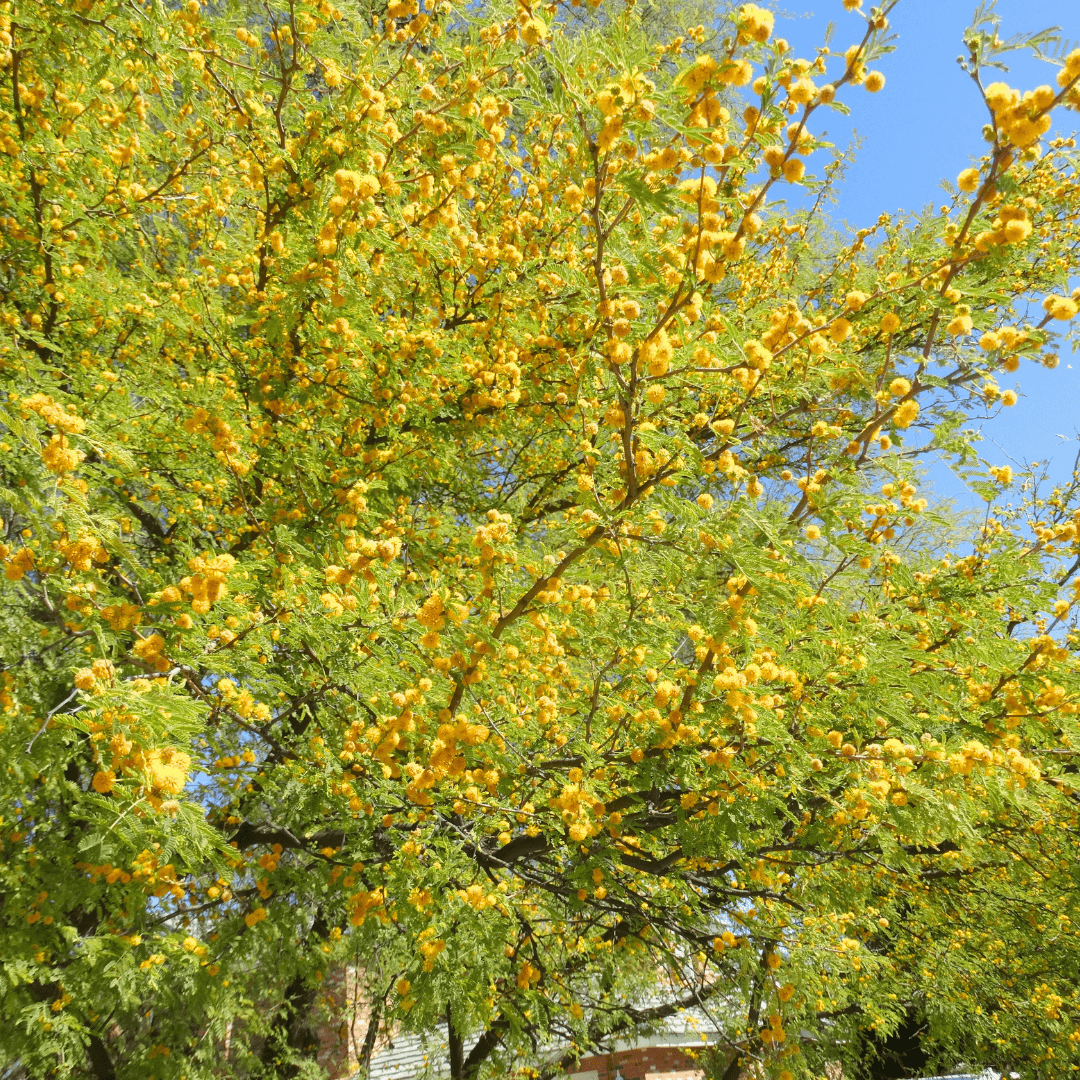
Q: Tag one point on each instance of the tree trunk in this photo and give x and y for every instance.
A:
(453, 1039)
(293, 1034)
(479, 1053)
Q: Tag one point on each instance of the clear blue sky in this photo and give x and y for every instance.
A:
(924, 127)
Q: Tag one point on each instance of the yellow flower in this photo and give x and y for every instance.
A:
(657, 352)
(968, 180)
(534, 31)
(840, 330)
(757, 356)
(755, 22)
(1071, 69)
(167, 771)
(802, 91)
(1017, 230)
(256, 916)
(21, 562)
(694, 80)
(736, 73)
(356, 185)
(59, 457)
(906, 414)
(1060, 307)
(874, 81)
(104, 781)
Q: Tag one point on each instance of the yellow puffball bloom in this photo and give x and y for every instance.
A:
(1060, 307)
(1000, 96)
(968, 180)
(103, 781)
(906, 414)
(756, 22)
(84, 678)
(1017, 230)
(1008, 397)
(840, 330)
(534, 31)
(736, 73)
(960, 325)
(874, 81)
(890, 323)
(794, 170)
(1071, 69)
(254, 917)
(812, 532)
(899, 387)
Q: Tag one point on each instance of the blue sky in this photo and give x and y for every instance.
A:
(925, 126)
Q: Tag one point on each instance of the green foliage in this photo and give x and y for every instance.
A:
(454, 526)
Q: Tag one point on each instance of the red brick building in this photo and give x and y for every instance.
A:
(346, 1025)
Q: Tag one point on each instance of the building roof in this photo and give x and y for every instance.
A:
(409, 1057)
(426, 1057)
(986, 1074)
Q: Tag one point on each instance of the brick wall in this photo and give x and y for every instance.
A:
(652, 1062)
(342, 1013)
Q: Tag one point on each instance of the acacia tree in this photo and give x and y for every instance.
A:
(455, 526)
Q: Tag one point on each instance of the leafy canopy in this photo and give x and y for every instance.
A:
(458, 521)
